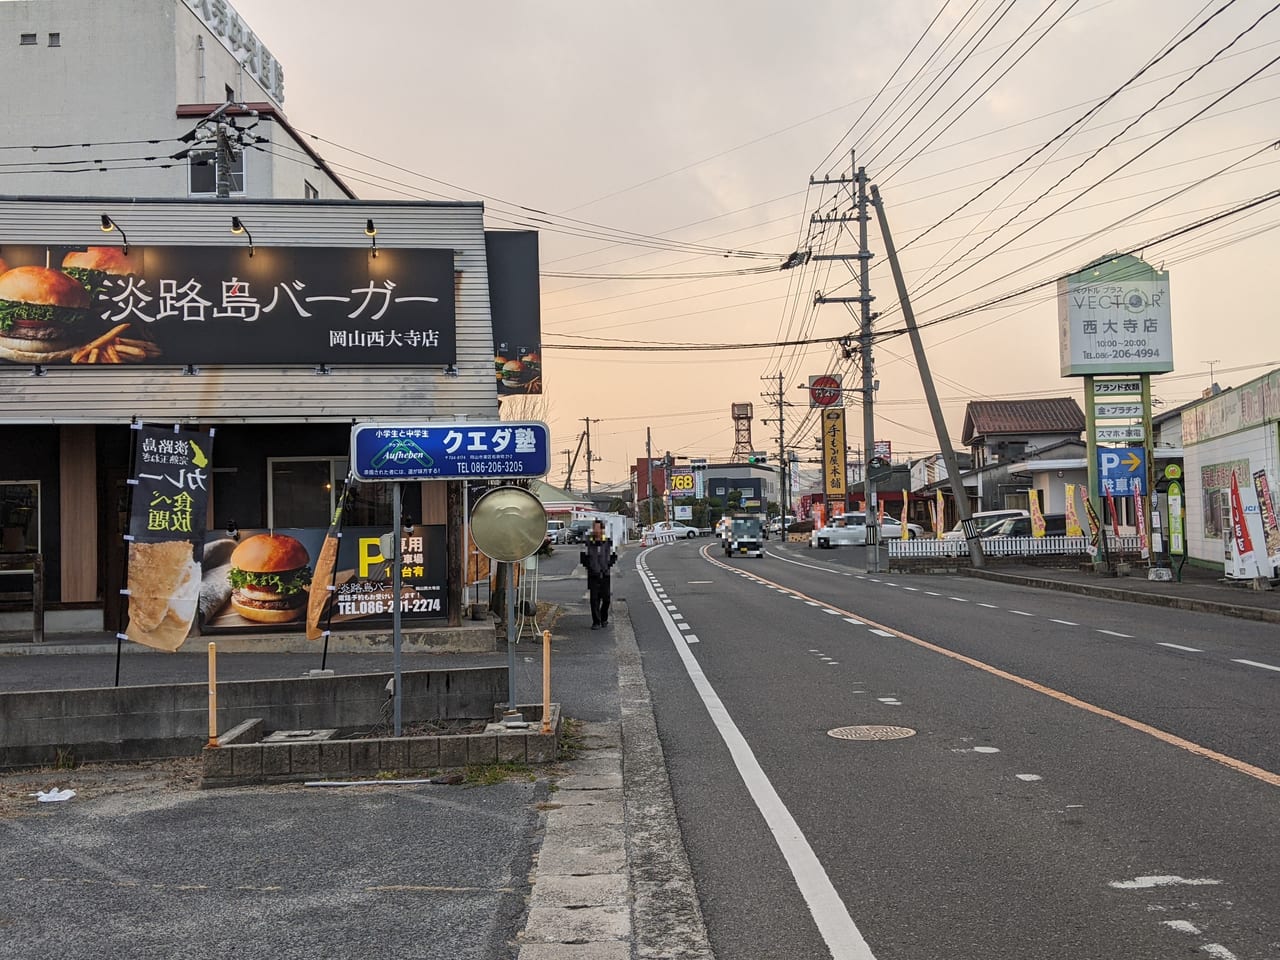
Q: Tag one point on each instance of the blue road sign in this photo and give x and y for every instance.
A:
(1122, 471)
(450, 451)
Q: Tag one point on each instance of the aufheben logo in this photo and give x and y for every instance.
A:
(402, 452)
(403, 455)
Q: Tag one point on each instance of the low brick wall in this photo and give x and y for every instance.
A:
(241, 758)
(147, 722)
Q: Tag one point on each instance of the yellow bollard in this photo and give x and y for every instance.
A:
(213, 695)
(546, 681)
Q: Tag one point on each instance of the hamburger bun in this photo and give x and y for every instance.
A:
(29, 299)
(268, 615)
(269, 553)
(513, 372)
(112, 260)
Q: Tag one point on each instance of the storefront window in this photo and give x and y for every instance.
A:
(304, 492)
(19, 516)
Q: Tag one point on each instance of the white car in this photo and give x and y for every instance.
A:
(674, 526)
(851, 530)
(984, 519)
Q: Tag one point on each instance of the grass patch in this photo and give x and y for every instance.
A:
(572, 742)
(487, 774)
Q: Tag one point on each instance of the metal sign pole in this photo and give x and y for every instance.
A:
(511, 636)
(396, 586)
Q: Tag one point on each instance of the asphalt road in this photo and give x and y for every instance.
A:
(167, 870)
(1087, 779)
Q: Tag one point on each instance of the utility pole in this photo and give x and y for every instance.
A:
(648, 469)
(865, 318)
(780, 400)
(976, 556)
(223, 167)
(590, 456)
(568, 468)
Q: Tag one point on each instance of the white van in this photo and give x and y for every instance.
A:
(983, 519)
(556, 531)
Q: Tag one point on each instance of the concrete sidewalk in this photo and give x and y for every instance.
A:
(1200, 591)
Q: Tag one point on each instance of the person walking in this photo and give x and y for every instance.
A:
(598, 558)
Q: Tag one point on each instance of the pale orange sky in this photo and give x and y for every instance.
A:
(702, 122)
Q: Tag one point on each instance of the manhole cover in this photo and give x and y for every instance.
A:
(871, 733)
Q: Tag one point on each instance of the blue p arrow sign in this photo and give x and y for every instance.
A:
(1121, 470)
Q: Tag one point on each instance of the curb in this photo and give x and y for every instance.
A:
(612, 880)
(1173, 602)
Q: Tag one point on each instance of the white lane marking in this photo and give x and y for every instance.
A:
(1065, 623)
(888, 584)
(1182, 926)
(1029, 777)
(1022, 613)
(912, 589)
(811, 650)
(776, 556)
(1178, 646)
(883, 633)
(1147, 883)
(684, 626)
(810, 603)
(959, 599)
(989, 606)
(874, 580)
(690, 638)
(1255, 663)
(856, 623)
(842, 936)
(701, 581)
(930, 593)
(861, 577)
(1219, 951)
(834, 613)
(677, 616)
(986, 749)
(1113, 633)
(887, 699)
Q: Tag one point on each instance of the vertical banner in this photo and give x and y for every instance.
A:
(1140, 517)
(1177, 529)
(1239, 528)
(940, 516)
(835, 467)
(933, 520)
(819, 515)
(1095, 527)
(166, 532)
(322, 587)
(1115, 515)
(1073, 517)
(903, 518)
(1037, 515)
(1270, 522)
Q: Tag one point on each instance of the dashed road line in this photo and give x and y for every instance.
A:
(1065, 623)
(1022, 613)
(1178, 646)
(883, 633)
(1255, 663)
(854, 621)
(1116, 633)
(958, 599)
(989, 606)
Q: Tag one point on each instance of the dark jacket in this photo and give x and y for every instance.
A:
(598, 556)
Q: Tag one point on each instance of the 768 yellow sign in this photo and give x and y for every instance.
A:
(682, 482)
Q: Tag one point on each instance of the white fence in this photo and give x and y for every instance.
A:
(1005, 547)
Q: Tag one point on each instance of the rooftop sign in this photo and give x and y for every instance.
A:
(225, 24)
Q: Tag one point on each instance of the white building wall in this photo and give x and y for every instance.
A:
(1254, 449)
(270, 394)
(120, 72)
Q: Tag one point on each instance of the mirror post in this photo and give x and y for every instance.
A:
(397, 558)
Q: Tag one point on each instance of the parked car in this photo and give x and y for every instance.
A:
(984, 519)
(673, 526)
(1055, 525)
(577, 531)
(557, 531)
(851, 530)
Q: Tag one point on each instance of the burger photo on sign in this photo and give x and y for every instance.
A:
(44, 315)
(270, 578)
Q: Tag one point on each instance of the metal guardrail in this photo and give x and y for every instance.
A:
(1006, 547)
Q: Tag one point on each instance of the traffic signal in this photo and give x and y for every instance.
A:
(757, 458)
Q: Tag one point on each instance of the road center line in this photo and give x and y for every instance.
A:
(1113, 633)
(1178, 646)
(842, 936)
(1234, 763)
(1255, 663)
(1065, 623)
